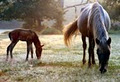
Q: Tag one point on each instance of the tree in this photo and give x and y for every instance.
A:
(3, 5)
(33, 12)
(113, 8)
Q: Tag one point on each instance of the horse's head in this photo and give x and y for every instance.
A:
(103, 52)
(39, 51)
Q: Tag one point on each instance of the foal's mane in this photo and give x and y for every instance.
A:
(97, 21)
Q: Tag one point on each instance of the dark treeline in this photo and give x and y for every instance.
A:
(32, 12)
(113, 8)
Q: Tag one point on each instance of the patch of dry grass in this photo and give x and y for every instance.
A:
(58, 63)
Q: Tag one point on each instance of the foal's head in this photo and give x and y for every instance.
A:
(103, 51)
(39, 51)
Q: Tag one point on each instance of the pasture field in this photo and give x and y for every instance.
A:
(58, 63)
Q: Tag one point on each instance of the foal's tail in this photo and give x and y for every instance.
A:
(69, 31)
(10, 36)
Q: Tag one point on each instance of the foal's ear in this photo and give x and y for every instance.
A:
(109, 41)
(42, 45)
(97, 41)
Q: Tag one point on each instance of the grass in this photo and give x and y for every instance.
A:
(114, 31)
(57, 64)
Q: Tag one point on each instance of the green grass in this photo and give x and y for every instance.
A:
(114, 31)
(58, 63)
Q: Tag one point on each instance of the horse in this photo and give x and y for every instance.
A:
(94, 23)
(24, 35)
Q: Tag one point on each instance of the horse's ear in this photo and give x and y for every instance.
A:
(109, 41)
(97, 41)
(42, 45)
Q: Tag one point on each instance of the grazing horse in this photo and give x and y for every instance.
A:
(28, 36)
(93, 22)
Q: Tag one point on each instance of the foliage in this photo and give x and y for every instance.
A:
(112, 31)
(51, 31)
(33, 12)
(3, 5)
(113, 8)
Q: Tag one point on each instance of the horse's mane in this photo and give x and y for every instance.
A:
(97, 19)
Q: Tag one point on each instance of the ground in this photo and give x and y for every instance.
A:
(58, 63)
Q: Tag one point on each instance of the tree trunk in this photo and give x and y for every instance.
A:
(59, 25)
(39, 25)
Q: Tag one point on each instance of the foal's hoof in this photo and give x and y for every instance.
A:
(84, 61)
(93, 62)
(89, 65)
(6, 59)
(26, 60)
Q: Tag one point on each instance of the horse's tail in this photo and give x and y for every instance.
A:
(69, 31)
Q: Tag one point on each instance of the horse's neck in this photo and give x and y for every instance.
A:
(98, 22)
(99, 28)
(37, 43)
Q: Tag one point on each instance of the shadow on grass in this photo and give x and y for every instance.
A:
(63, 64)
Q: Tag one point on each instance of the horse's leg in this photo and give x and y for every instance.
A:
(28, 50)
(93, 56)
(8, 49)
(31, 48)
(90, 51)
(84, 48)
(11, 47)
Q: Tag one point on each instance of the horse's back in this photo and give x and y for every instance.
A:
(98, 9)
(83, 19)
(26, 35)
(22, 34)
(86, 17)
(13, 35)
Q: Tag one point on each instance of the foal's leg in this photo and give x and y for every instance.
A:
(8, 49)
(12, 45)
(84, 48)
(31, 48)
(28, 50)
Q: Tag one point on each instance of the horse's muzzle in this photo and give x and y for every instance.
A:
(103, 69)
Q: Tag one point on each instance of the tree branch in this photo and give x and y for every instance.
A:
(78, 4)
